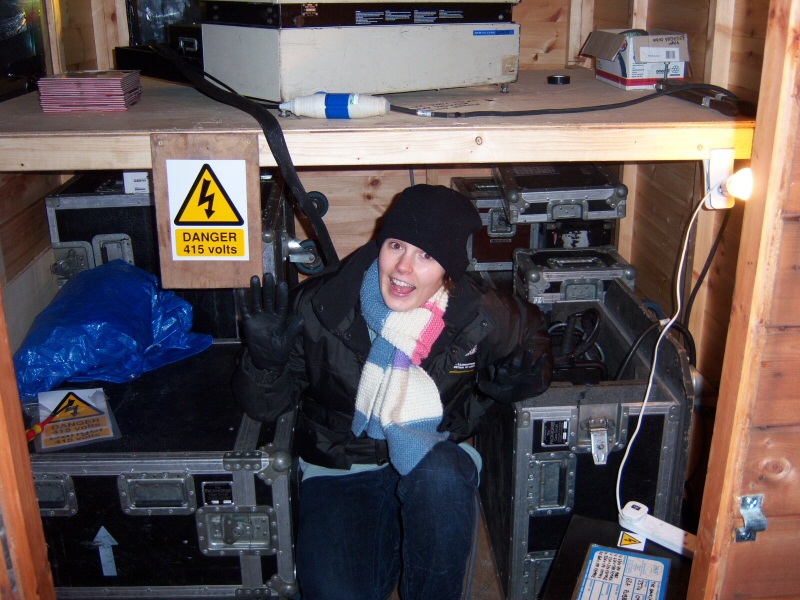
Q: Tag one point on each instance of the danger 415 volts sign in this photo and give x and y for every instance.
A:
(208, 209)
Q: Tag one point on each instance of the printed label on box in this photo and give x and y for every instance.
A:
(659, 53)
(617, 575)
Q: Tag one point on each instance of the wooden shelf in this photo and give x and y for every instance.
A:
(662, 129)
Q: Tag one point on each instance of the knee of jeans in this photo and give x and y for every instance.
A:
(446, 466)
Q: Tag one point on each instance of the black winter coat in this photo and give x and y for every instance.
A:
(482, 327)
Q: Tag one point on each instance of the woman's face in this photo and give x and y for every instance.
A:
(409, 276)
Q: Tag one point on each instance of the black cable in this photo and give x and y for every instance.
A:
(688, 312)
(561, 111)
(274, 136)
(688, 340)
(586, 341)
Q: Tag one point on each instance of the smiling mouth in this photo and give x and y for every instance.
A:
(401, 287)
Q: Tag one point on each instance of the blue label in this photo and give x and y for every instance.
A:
(493, 32)
(336, 106)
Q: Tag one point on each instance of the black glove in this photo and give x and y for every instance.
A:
(517, 378)
(268, 333)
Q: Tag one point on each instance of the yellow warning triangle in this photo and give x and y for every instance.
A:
(628, 540)
(74, 407)
(207, 203)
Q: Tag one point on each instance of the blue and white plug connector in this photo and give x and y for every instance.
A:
(337, 106)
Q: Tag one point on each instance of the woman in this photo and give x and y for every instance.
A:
(390, 361)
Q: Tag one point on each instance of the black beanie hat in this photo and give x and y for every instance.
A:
(436, 219)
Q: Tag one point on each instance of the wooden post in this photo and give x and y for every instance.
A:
(630, 171)
(775, 150)
(29, 577)
(581, 23)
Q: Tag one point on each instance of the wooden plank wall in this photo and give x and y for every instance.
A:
(77, 35)
(359, 198)
(747, 47)
(543, 38)
(610, 14)
(23, 229)
(665, 192)
(755, 447)
(24, 238)
(770, 467)
(742, 35)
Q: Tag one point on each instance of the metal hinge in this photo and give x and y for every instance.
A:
(754, 519)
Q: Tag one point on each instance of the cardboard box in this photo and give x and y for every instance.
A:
(634, 60)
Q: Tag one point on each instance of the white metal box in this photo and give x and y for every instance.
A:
(281, 64)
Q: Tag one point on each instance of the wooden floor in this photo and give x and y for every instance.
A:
(485, 582)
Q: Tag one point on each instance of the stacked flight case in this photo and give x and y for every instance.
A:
(551, 205)
(558, 454)
(546, 276)
(193, 498)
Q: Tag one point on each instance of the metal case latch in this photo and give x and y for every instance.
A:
(598, 433)
(499, 226)
(236, 530)
(600, 430)
(754, 519)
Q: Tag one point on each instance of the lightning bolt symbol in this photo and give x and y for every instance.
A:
(205, 198)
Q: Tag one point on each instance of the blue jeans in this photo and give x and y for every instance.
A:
(359, 533)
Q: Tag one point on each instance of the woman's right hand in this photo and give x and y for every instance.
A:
(269, 332)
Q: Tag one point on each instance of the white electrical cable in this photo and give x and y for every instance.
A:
(667, 323)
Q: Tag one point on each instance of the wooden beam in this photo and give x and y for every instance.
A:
(55, 55)
(630, 174)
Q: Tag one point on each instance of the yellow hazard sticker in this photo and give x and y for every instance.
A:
(631, 541)
(207, 203)
(78, 417)
(73, 407)
(208, 209)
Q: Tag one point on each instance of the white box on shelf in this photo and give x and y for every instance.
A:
(633, 59)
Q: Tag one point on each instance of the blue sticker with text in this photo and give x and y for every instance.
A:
(493, 32)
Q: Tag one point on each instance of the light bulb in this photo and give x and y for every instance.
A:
(739, 185)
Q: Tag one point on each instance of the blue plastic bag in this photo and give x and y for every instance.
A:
(111, 323)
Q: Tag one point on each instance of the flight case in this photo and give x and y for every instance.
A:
(544, 276)
(491, 248)
(558, 454)
(192, 500)
(546, 192)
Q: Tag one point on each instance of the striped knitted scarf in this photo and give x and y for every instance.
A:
(397, 400)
